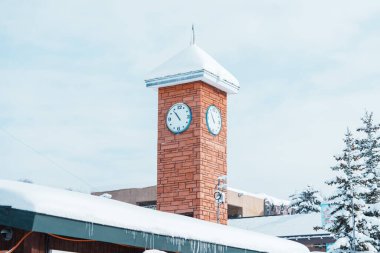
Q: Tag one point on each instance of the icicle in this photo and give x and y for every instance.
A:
(89, 229)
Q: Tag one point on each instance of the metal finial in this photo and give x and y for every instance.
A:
(193, 39)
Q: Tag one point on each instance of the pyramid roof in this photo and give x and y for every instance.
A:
(192, 64)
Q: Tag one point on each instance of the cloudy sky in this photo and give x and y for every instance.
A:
(75, 112)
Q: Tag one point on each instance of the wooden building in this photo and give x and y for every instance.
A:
(40, 219)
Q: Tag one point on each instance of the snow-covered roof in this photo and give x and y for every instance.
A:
(98, 210)
(192, 64)
(275, 201)
(282, 225)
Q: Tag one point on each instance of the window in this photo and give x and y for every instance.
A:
(148, 204)
(187, 214)
(59, 251)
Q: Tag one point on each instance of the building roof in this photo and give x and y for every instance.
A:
(192, 64)
(49, 210)
(282, 225)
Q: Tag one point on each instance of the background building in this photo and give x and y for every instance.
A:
(239, 203)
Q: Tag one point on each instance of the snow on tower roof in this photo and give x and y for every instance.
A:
(99, 211)
(192, 64)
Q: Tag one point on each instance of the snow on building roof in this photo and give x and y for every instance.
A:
(275, 201)
(94, 210)
(282, 225)
(192, 64)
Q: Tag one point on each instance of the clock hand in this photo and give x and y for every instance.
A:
(177, 116)
(212, 116)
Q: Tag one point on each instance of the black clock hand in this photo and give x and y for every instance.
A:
(177, 116)
(212, 116)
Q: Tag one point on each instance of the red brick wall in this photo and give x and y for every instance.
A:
(190, 163)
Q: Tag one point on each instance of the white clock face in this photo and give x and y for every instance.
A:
(178, 118)
(213, 120)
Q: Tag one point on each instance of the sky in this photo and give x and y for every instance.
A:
(75, 112)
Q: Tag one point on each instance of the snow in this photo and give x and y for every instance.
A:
(182, 67)
(99, 210)
(281, 225)
(306, 201)
(271, 199)
(106, 195)
(153, 251)
(341, 242)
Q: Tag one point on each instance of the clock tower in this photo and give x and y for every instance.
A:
(192, 133)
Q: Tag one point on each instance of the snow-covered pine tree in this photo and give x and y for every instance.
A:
(347, 203)
(369, 148)
(306, 201)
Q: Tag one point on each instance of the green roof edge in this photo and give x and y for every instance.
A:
(37, 222)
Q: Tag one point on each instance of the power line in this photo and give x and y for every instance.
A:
(44, 156)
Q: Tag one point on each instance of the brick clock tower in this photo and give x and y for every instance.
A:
(192, 133)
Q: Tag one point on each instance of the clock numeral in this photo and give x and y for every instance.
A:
(169, 119)
(188, 116)
(179, 107)
(178, 128)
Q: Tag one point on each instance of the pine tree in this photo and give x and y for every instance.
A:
(347, 204)
(306, 201)
(369, 147)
